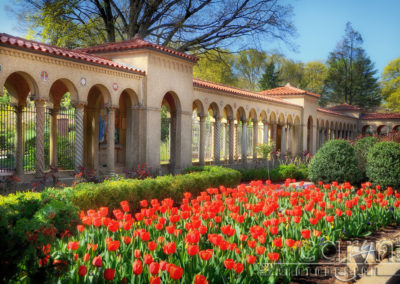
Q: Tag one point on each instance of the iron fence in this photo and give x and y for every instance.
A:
(7, 138)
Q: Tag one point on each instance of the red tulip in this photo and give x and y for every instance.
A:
(80, 228)
(239, 267)
(277, 242)
(306, 233)
(251, 259)
(289, 242)
(175, 272)
(260, 250)
(109, 274)
(97, 261)
(152, 245)
(193, 250)
(206, 254)
(82, 270)
(148, 258)
(330, 218)
(137, 267)
(200, 279)
(155, 280)
(112, 245)
(143, 203)
(273, 256)
(125, 205)
(169, 248)
(73, 245)
(154, 268)
(229, 263)
(137, 253)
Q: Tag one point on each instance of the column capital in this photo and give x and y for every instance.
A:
(110, 107)
(217, 117)
(39, 102)
(265, 121)
(78, 104)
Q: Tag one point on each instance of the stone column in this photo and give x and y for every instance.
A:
(231, 139)
(236, 150)
(202, 139)
(273, 133)
(78, 163)
(265, 138)
(289, 139)
(244, 141)
(111, 141)
(53, 137)
(39, 157)
(255, 139)
(217, 140)
(19, 145)
(283, 142)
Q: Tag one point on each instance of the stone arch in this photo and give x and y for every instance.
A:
(396, 128)
(172, 122)
(127, 130)
(227, 112)
(62, 118)
(20, 85)
(281, 119)
(263, 116)
(98, 115)
(241, 114)
(272, 117)
(198, 107)
(367, 130)
(382, 130)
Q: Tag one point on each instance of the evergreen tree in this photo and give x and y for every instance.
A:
(270, 78)
(351, 75)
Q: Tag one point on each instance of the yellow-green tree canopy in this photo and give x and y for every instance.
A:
(391, 85)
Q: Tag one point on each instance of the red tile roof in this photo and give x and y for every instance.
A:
(12, 41)
(136, 43)
(332, 112)
(236, 91)
(372, 116)
(344, 106)
(288, 90)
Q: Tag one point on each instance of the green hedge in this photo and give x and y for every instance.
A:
(361, 148)
(28, 221)
(335, 161)
(383, 164)
(111, 193)
(277, 174)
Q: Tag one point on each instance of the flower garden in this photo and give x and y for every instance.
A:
(225, 235)
(200, 227)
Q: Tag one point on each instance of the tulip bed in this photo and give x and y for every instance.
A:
(225, 235)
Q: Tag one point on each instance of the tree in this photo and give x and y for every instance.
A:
(249, 65)
(270, 77)
(351, 75)
(391, 85)
(292, 72)
(183, 24)
(314, 75)
(216, 66)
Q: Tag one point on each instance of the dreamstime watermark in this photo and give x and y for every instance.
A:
(328, 259)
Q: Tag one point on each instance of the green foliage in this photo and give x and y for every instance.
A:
(277, 174)
(249, 65)
(216, 66)
(28, 221)
(391, 85)
(270, 78)
(361, 148)
(265, 149)
(111, 193)
(335, 161)
(351, 75)
(383, 164)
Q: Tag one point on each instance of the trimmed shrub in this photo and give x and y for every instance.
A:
(111, 193)
(361, 148)
(383, 164)
(277, 174)
(335, 161)
(28, 222)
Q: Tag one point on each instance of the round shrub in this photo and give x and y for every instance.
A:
(335, 161)
(361, 148)
(383, 164)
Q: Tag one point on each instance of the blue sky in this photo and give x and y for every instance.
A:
(320, 25)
